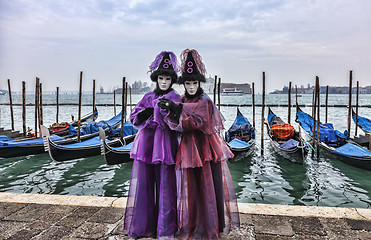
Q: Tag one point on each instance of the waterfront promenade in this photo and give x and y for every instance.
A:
(41, 216)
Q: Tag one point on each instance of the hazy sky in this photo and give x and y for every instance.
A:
(238, 40)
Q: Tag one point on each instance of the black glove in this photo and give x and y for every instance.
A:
(145, 114)
(175, 109)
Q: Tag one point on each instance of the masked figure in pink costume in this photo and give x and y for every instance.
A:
(207, 200)
(151, 206)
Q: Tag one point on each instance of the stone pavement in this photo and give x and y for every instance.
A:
(39, 216)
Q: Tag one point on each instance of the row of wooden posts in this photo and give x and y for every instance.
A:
(217, 92)
(315, 107)
(39, 105)
(217, 84)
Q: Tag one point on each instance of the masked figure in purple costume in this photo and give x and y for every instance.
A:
(151, 206)
(206, 196)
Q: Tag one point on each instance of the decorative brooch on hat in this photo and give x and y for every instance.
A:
(191, 67)
(165, 63)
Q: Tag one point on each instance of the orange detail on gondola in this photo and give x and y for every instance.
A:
(283, 131)
(59, 126)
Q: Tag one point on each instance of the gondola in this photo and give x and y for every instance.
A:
(335, 143)
(365, 125)
(24, 147)
(62, 129)
(16, 147)
(27, 147)
(88, 148)
(114, 155)
(285, 141)
(240, 137)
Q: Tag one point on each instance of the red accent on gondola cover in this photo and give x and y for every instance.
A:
(283, 131)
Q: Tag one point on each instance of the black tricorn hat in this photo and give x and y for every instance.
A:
(190, 69)
(165, 67)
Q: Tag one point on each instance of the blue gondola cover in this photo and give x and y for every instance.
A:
(128, 130)
(237, 143)
(240, 127)
(326, 130)
(365, 123)
(271, 117)
(5, 138)
(28, 142)
(291, 143)
(94, 127)
(352, 150)
(126, 147)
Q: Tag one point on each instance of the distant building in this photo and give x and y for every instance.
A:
(138, 87)
(208, 86)
(331, 90)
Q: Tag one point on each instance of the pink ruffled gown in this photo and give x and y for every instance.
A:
(207, 204)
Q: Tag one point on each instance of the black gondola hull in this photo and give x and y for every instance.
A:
(8, 152)
(364, 163)
(240, 153)
(296, 155)
(117, 157)
(32, 149)
(113, 157)
(63, 153)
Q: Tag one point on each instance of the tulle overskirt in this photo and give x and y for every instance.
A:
(151, 205)
(207, 204)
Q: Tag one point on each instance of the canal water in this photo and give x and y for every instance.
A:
(259, 178)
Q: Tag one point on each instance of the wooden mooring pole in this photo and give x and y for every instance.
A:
(355, 133)
(253, 105)
(289, 105)
(41, 117)
(296, 95)
(93, 99)
(57, 115)
(36, 103)
(215, 82)
(122, 108)
(24, 108)
(114, 102)
(326, 104)
(350, 101)
(318, 115)
(262, 118)
(131, 105)
(79, 118)
(126, 101)
(219, 82)
(11, 105)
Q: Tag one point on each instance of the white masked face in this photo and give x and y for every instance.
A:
(164, 82)
(191, 87)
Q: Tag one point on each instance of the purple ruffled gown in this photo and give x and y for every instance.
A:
(151, 206)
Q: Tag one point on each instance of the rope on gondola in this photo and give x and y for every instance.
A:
(310, 146)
